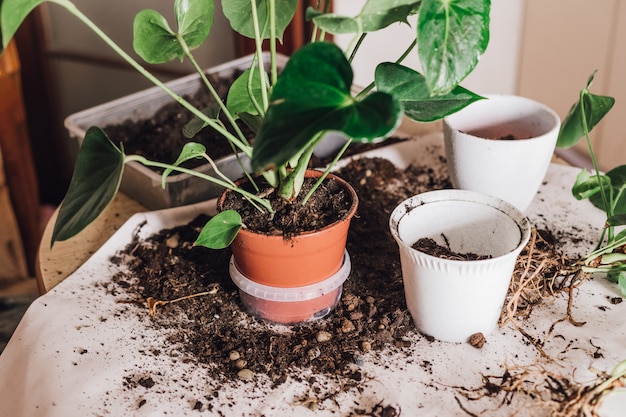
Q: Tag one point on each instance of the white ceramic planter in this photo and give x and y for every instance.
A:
(451, 300)
(509, 169)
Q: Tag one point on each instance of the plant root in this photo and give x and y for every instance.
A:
(153, 303)
(541, 273)
(557, 394)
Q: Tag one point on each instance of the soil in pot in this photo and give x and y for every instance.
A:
(430, 247)
(160, 137)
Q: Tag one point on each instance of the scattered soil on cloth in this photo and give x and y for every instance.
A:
(212, 328)
(371, 314)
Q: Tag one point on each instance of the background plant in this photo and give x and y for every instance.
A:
(607, 191)
(289, 112)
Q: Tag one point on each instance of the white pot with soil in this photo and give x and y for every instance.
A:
(501, 146)
(458, 251)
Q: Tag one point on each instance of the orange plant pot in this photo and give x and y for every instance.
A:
(299, 261)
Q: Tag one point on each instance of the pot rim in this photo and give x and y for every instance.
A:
(450, 121)
(309, 173)
(452, 195)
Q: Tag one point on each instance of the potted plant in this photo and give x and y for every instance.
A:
(289, 113)
(607, 191)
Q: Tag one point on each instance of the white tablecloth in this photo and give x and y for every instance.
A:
(79, 352)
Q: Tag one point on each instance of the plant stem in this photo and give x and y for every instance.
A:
(251, 197)
(607, 205)
(211, 89)
(73, 10)
(402, 57)
(327, 171)
(259, 50)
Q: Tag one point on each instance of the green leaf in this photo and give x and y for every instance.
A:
(238, 100)
(313, 94)
(191, 150)
(96, 179)
(617, 178)
(196, 124)
(253, 121)
(451, 36)
(375, 15)
(12, 15)
(595, 108)
(616, 220)
(587, 185)
(239, 14)
(156, 42)
(410, 88)
(220, 231)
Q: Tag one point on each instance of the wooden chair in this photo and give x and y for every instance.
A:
(20, 228)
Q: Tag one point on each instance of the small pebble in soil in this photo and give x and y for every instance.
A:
(616, 300)
(233, 355)
(241, 363)
(245, 374)
(323, 336)
(347, 326)
(477, 340)
(366, 346)
(172, 241)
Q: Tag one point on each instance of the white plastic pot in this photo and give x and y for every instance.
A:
(451, 300)
(511, 169)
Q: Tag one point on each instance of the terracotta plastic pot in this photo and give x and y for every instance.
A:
(303, 260)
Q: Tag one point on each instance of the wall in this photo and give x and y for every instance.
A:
(496, 72)
(83, 84)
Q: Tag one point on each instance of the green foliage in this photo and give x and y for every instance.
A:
(583, 116)
(241, 16)
(605, 191)
(220, 231)
(457, 34)
(375, 15)
(313, 95)
(156, 43)
(410, 88)
(93, 186)
(289, 112)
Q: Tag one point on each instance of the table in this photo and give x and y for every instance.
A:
(55, 264)
(81, 350)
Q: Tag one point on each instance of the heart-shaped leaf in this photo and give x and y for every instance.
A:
(451, 36)
(156, 42)
(312, 95)
(239, 14)
(196, 124)
(238, 99)
(618, 183)
(410, 88)
(191, 150)
(96, 179)
(588, 185)
(220, 231)
(595, 108)
(375, 15)
(12, 14)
